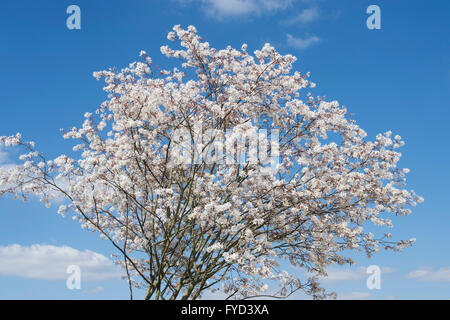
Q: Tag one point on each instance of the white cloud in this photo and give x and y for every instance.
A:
(305, 16)
(95, 290)
(301, 43)
(229, 7)
(355, 295)
(344, 274)
(350, 274)
(48, 262)
(232, 8)
(431, 275)
(4, 159)
(209, 295)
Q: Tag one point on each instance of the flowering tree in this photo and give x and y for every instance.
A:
(183, 227)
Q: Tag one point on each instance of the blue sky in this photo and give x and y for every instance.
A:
(396, 78)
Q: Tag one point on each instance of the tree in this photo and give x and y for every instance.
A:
(183, 217)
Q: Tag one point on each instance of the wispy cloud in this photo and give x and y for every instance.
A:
(234, 8)
(95, 290)
(345, 274)
(48, 262)
(429, 274)
(4, 158)
(354, 295)
(304, 17)
(351, 274)
(302, 43)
